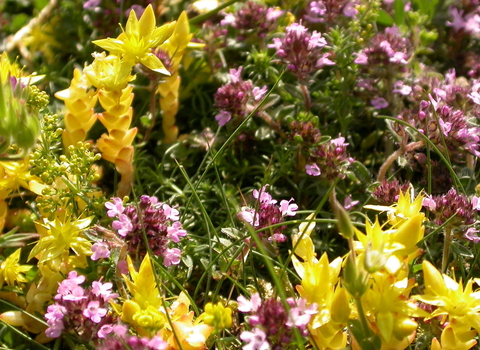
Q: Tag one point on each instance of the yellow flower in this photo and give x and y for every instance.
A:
(143, 310)
(460, 304)
(57, 237)
(391, 312)
(109, 72)
(192, 336)
(134, 45)
(453, 341)
(405, 208)
(391, 247)
(11, 271)
(217, 315)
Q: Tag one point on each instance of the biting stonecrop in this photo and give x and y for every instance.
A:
(374, 300)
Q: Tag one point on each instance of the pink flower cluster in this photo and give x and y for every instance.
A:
(273, 325)
(302, 51)
(78, 310)
(268, 213)
(233, 98)
(158, 221)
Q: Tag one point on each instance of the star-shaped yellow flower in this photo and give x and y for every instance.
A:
(135, 43)
(11, 271)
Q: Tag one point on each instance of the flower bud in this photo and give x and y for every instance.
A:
(344, 223)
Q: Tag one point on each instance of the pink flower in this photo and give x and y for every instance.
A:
(123, 225)
(171, 213)
(258, 93)
(312, 169)
(349, 204)
(114, 209)
(263, 196)
(223, 117)
(361, 59)
(94, 312)
(257, 340)
(103, 290)
(176, 231)
(252, 305)
(457, 22)
(288, 209)
(171, 257)
(379, 103)
(400, 88)
(399, 57)
(105, 330)
(100, 250)
(471, 235)
(235, 75)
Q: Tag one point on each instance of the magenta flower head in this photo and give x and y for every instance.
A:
(79, 310)
(236, 98)
(301, 51)
(268, 213)
(159, 221)
(253, 20)
(330, 12)
(272, 325)
(451, 205)
(329, 160)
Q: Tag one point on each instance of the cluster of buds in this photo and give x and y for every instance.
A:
(253, 19)
(329, 160)
(388, 192)
(83, 312)
(301, 51)
(451, 204)
(158, 221)
(267, 213)
(236, 98)
(272, 324)
(20, 123)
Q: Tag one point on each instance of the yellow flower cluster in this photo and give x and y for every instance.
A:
(145, 311)
(168, 89)
(375, 298)
(109, 75)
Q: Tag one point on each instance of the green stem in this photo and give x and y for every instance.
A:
(446, 247)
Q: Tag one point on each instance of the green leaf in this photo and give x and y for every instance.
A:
(384, 18)
(399, 12)
(460, 249)
(361, 172)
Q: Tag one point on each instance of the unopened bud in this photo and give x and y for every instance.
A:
(344, 223)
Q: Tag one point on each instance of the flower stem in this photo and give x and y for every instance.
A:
(446, 247)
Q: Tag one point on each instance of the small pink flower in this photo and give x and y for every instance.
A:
(176, 231)
(105, 330)
(171, 213)
(258, 93)
(123, 225)
(94, 312)
(361, 59)
(100, 250)
(103, 290)
(252, 305)
(171, 257)
(257, 340)
(379, 103)
(312, 169)
(223, 117)
(114, 209)
(288, 209)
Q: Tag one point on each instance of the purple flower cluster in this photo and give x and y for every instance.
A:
(381, 63)
(253, 19)
(268, 213)
(116, 338)
(329, 160)
(302, 51)
(443, 116)
(451, 204)
(329, 11)
(78, 310)
(387, 192)
(159, 222)
(272, 325)
(237, 97)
